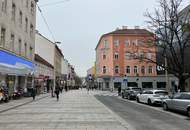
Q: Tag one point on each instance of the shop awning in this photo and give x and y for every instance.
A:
(12, 64)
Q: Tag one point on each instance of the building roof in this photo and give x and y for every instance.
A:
(132, 32)
(127, 32)
(43, 61)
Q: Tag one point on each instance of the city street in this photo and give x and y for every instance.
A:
(76, 110)
(144, 117)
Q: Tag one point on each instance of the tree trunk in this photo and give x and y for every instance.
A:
(181, 84)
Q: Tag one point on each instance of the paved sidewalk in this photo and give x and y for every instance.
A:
(16, 103)
(76, 110)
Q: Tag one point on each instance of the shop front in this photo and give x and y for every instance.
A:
(16, 72)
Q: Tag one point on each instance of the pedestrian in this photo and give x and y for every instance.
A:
(33, 93)
(61, 89)
(119, 91)
(66, 87)
(57, 89)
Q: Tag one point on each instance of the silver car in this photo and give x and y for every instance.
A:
(180, 102)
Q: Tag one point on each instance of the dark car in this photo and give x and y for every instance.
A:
(179, 102)
(131, 92)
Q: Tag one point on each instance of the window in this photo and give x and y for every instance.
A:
(141, 55)
(127, 43)
(104, 56)
(143, 70)
(20, 18)
(116, 43)
(140, 42)
(31, 52)
(127, 56)
(150, 69)
(104, 69)
(3, 32)
(26, 24)
(19, 46)
(106, 44)
(147, 85)
(31, 30)
(134, 42)
(4, 6)
(128, 69)
(25, 49)
(185, 96)
(116, 56)
(12, 41)
(149, 55)
(13, 12)
(116, 69)
(177, 96)
(32, 8)
(135, 69)
(27, 3)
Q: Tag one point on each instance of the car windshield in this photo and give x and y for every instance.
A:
(136, 89)
(161, 93)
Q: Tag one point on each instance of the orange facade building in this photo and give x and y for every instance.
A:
(121, 56)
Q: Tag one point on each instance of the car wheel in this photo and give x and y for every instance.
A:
(138, 100)
(149, 102)
(122, 95)
(129, 97)
(188, 112)
(165, 106)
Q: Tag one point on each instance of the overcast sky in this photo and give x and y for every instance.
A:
(78, 24)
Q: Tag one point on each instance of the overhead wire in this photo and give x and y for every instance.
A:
(54, 3)
(45, 21)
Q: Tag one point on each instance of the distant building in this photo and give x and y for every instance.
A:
(116, 64)
(51, 53)
(17, 38)
(44, 73)
(91, 71)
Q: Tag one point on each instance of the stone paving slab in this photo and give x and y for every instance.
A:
(19, 102)
(76, 110)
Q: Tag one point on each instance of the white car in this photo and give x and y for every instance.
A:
(152, 96)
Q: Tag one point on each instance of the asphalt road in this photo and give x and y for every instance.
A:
(143, 117)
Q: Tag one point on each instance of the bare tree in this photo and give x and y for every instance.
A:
(172, 29)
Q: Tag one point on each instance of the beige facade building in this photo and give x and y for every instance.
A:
(17, 37)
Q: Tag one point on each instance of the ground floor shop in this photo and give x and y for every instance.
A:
(157, 82)
(16, 75)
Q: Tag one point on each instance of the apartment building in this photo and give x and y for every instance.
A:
(17, 37)
(118, 60)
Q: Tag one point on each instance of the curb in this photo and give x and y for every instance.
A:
(25, 103)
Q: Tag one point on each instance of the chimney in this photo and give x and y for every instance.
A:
(125, 27)
(137, 27)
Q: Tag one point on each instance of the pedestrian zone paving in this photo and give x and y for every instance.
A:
(76, 110)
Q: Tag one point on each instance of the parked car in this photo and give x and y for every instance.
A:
(179, 102)
(131, 92)
(152, 96)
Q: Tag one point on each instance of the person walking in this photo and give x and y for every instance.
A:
(57, 89)
(33, 93)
